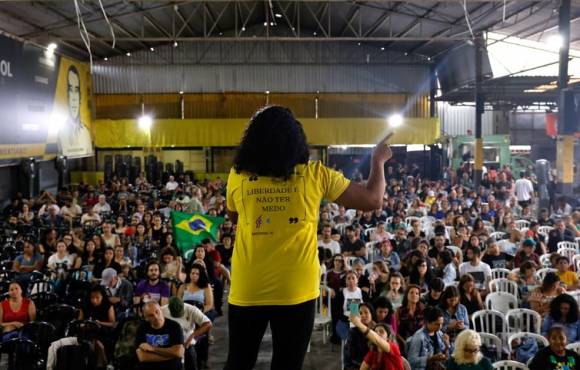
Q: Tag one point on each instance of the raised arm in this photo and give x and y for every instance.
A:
(370, 196)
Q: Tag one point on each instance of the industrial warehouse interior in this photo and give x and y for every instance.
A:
(287, 185)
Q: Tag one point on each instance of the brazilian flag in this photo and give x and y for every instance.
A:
(189, 229)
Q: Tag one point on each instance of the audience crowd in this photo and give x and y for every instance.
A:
(445, 274)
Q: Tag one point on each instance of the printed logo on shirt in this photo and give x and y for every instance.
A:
(157, 340)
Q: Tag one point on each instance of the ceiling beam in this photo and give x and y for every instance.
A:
(283, 38)
(73, 22)
(101, 18)
(67, 43)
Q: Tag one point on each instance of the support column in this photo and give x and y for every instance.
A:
(565, 143)
(479, 100)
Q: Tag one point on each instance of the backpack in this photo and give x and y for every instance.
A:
(125, 355)
(526, 350)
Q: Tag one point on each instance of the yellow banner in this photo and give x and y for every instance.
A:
(228, 132)
(71, 111)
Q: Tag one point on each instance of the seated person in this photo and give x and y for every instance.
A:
(556, 356)
(159, 341)
(119, 290)
(428, 345)
(107, 261)
(98, 308)
(564, 313)
(197, 289)
(567, 277)
(527, 253)
(15, 312)
(152, 288)
(541, 297)
(357, 345)
(30, 260)
(193, 323)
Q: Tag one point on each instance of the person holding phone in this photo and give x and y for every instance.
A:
(274, 194)
(384, 353)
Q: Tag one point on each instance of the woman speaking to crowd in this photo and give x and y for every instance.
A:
(274, 194)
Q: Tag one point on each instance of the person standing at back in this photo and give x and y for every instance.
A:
(274, 194)
(524, 190)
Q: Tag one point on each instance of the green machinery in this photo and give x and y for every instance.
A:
(496, 153)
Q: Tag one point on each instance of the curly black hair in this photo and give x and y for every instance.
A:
(273, 144)
(555, 312)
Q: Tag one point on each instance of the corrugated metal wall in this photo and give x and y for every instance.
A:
(456, 120)
(286, 67)
(119, 79)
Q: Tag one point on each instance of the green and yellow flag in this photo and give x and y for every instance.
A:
(189, 229)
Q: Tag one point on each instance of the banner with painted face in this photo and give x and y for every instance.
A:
(45, 104)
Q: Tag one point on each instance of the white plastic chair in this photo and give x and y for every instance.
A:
(574, 347)
(516, 271)
(410, 219)
(539, 338)
(509, 365)
(545, 260)
(568, 245)
(542, 272)
(500, 273)
(567, 252)
(350, 213)
(371, 251)
(323, 319)
(498, 235)
(524, 231)
(492, 340)
(455, 250)
(504, 285)
(545, 230)
(577, 240)
(349, 261)
(368, 232)
(488, 321)
(490, 229)
(341, 228)
(575, 294)
(575, 261)
(501, 301)
(389, 220)
(523, 320)
(520, 224)
(449, 231)
(368, 269)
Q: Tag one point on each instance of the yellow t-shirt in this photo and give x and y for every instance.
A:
(569, 278)
(275, 258)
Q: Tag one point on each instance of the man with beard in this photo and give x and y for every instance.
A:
(152, 288)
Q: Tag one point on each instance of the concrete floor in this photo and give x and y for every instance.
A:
(320, 357)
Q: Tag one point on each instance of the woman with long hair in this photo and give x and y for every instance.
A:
(197, 289)
(468, 295)
(379, 278)
(421, 274)
(411, 314)
(563, 312)
(395, 290)
(274, 192)
(455, 314)
(357, 345)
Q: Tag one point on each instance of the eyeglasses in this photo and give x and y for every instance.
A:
(471, 350)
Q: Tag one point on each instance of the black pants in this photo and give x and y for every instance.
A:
(190, 358)
(291, 329)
